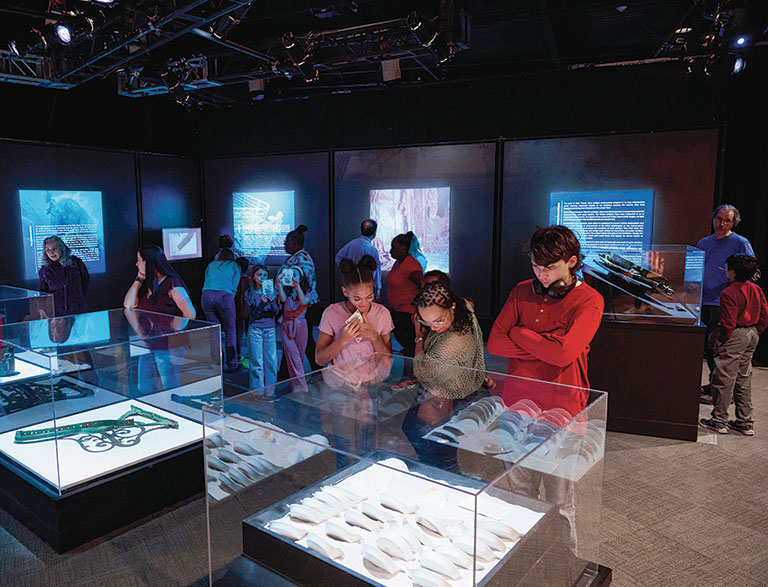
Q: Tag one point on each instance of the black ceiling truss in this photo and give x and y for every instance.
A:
(219, 52)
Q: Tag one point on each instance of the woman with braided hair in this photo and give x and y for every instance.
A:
(358, 326)
(449, 359)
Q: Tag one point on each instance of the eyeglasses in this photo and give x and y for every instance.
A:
(439, 322)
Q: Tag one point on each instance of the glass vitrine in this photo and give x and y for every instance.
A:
(84, 398)
(18, 304)
(661, 285)
(357, 475)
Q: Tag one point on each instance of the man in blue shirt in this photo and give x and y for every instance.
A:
(717, 248)
(357, 248)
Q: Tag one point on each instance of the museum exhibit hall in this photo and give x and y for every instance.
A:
(340, 293)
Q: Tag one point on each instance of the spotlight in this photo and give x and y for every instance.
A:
(63, 33)
(26, 42)
(301, 57)
(423, 29)
(738, 65)
(742, 41)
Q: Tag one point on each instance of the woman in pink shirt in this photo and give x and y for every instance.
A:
(344, 338)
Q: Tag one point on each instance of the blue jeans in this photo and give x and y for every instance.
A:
(262, 353)
(165, 363)
(219, 307)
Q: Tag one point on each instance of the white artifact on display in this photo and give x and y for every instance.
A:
(391, 502)
(432, 523)
(412, 541)
(330, 501)
(455, 555)
(378, 559)
(355, 518)
(433, 561)
(376, 513)
(244, 448)
(467, 544)
(217, 464)
(238, 477)
(341, 531)
(499, 529)
(394, 545)
(228, 485)
(425, 578)
(493, 541)
(344, 493)
(318, 505)
(304, 513)
(228, 456)
(415, 531)
(323, 547)
(287, 530)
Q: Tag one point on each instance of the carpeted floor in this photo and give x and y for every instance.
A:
(675, 513)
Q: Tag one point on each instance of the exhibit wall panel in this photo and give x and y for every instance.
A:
(47, 170)
(443, 193)
(679, 167)
(304, 174)
(170, 198)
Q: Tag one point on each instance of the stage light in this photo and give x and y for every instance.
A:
(741, 40)
(738, 65)
(423, 29)
(63, 33)
(26, 42)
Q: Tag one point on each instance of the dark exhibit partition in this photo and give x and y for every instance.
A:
(43, 167)
(468, 170)
(680, 167)
(652, 373)
(170, 198)
(304, 174)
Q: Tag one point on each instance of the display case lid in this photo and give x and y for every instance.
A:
(372, 410)
(662, 284)
(58, 336)
(9, 292)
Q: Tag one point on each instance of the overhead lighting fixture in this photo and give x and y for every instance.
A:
(63, 33)
(621, 7)
(423, 29)
(738, 65)
(301, 57)
(26, 42)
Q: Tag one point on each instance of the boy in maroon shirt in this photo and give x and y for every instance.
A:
(743, 316)
(547, 323)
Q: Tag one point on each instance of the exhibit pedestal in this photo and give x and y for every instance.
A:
(652, 373)
(77, 517)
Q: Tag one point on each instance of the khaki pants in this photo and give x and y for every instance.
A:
(733, 375)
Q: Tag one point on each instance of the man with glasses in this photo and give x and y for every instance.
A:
(717, 247)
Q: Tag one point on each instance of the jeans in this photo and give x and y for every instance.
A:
(219, 307)
(262, 356)
(165, 363)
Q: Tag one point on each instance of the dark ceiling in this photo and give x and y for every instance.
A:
(205, 52)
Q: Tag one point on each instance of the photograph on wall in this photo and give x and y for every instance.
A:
(261, 221)
(74, 216)
(424, 211)
(619, 220)
(182, 243)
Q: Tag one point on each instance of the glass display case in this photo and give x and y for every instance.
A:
(88, 397)
(355, 474)
(660, 285)
(19, 305)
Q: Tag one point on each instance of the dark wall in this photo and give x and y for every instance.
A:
(680, 167)
(170, 198)
(60, 168)
(306, 174)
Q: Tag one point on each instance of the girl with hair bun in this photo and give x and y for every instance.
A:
(358, 326)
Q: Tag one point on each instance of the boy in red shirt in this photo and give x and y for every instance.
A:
(547, 323)
(743, 316)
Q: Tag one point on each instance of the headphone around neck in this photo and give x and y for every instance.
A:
(558, 290)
